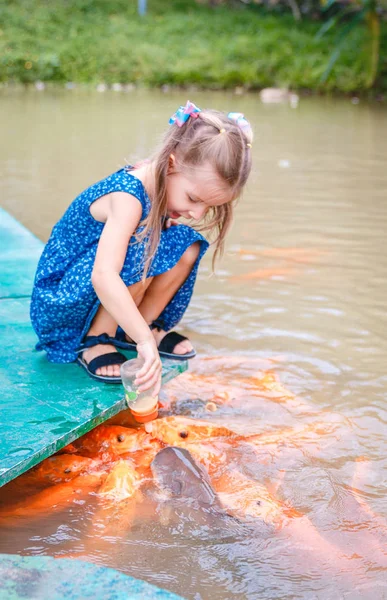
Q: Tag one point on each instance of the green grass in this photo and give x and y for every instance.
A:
(178, 43)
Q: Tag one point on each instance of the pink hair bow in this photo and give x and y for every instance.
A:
(183, 113)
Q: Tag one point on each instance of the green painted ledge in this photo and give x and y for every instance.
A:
(47, 578)
(43, 406)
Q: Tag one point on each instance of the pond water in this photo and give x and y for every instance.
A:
(299, 299)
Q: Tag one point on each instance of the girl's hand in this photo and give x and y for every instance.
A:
(170, 222)
(150, 374)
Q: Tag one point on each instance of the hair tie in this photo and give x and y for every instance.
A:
(239, 119)
(183, 113)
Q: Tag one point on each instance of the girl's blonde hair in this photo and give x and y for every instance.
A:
(212, 137)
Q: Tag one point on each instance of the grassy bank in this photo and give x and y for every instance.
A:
(178, 43)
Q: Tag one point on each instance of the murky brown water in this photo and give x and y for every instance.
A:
(301, 291)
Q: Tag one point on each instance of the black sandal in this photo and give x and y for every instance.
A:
(165, 348)
(169, 342)
(105, 360)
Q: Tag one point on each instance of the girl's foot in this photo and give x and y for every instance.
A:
(180, 348)
(99, 350)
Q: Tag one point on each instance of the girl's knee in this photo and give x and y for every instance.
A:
(137, 290)
(190, 255)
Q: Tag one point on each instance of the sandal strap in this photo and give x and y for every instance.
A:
(170, 341)
(121, 341)
(93, 340)
(105, 360)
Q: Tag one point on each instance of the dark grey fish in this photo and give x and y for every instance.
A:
(179, 474)
(192, 498)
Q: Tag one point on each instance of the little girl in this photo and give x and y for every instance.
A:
(118, 271)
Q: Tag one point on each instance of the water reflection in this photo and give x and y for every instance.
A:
(301, 291)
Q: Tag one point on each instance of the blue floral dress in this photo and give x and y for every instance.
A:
(63, 300)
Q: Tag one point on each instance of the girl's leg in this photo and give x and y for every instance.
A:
(161, 291)
(103, 322)
(151, 298)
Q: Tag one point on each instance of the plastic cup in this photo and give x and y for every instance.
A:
(143, 406)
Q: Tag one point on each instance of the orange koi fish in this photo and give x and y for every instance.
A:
(173, 430)
(206, 387)
(112, 519)
(57, 469)
(112, 441)
(200, 378)
(361, 467)
(69, 449)
(245, 498)
(142, 459)
(313, 439)
(121, 483)
(233, 387)
(269, 382)
(229, 361)
(119, 500)
(303, 255)
(52, 499)
(292, 434)
(293, 255)
(265, 274)
(299, 255)
(269, 385)
(212, 455)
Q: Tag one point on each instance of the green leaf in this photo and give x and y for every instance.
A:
(340, 43)
(326, 27)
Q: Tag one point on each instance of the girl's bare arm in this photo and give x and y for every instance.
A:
(123, 214)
